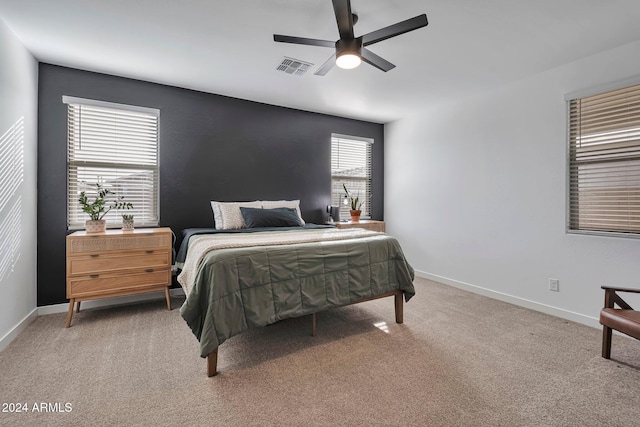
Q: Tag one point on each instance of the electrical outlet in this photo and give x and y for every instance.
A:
(554, 285)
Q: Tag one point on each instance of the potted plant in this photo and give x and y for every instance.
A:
(355, 205)
(98, 208)
(127, 222)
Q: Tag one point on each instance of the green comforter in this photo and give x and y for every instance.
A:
(240, 288)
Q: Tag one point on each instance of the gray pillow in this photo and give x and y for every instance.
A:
(277, 217)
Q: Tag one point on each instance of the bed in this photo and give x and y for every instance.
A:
(239, 279)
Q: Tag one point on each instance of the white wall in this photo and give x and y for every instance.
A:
(475, 192)
(18, 145)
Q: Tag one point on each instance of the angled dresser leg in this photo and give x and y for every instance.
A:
(168, 297)
(313, 324)
(78, 307)
(70, 312)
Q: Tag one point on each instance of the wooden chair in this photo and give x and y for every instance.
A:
(624, 319)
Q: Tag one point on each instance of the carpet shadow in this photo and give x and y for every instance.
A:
(290, 336)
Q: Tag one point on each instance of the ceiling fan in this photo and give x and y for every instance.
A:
(351, 50)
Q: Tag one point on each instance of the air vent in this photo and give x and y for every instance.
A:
(293, 66)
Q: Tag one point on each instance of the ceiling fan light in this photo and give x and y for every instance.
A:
(348, 60)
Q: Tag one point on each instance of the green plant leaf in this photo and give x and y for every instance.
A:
(98, 208)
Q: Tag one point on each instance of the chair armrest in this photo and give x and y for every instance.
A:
(618, 289)
(611, 298)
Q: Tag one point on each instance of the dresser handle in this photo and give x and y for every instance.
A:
(94, 255)
(149, 270)
(149, 252)
(94, 276)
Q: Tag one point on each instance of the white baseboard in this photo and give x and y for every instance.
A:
(13, 333)
(554, 311)
(108, 302)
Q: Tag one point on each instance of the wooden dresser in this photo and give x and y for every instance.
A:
(367, 224)
(116, 263)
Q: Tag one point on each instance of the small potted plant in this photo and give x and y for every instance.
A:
(98, 208)
(127, 222)
(355, 203)
(127, 219)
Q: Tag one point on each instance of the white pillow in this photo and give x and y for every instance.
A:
(292, 204)
(227, 215)
(217, 219)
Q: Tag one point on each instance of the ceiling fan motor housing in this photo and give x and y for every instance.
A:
(353, 46)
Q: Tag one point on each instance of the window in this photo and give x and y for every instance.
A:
(351, 166)
(604, 162)
(116, 146)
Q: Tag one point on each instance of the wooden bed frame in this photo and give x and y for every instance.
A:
(212, 358)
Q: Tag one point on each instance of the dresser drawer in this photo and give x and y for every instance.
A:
(367, 224)
(106, 262)
(87, 245)
(96, 284)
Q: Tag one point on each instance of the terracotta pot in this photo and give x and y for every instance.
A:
(355, 215)
(95, 226)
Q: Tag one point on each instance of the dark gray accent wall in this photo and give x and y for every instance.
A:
(212, 147)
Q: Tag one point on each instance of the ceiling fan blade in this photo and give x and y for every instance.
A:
(302, 40)
(324, 69)
(395, 30)
(342, 9)
(373, 59)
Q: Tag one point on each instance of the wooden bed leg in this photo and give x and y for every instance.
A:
(399, 307)
(78, 307)
(72, 301)
(313, 324)
(212, 363)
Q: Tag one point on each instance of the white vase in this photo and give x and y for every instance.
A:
(95, 226)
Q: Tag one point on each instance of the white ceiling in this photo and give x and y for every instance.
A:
(227, 47)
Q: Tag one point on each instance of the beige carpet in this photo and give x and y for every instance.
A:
(458, 360)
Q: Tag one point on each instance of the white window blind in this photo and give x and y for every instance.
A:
(116, 146)
(604, 162)
(351, 166)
